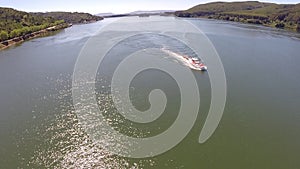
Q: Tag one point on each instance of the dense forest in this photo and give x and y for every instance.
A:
(70, 17)
(14, 23)
(269, 14)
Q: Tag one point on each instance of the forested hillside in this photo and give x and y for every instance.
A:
(269, 14)
(14, 23)
(71, 17)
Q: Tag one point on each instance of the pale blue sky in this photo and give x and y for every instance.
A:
(115, 6)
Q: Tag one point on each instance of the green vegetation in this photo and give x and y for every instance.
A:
(269, 14)
(71, 17)
(15, 23)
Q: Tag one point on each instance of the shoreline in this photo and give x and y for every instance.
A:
(44, 32)
(287, 28)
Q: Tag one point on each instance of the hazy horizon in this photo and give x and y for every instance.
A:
(113, 6)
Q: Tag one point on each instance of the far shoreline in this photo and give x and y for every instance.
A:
(287, 29)
(293, 30)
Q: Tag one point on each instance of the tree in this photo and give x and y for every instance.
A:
(14, 33)
(25, 30)
(3, 35)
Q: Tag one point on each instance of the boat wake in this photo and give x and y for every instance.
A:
(192, 62)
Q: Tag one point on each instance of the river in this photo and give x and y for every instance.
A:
(259, 128)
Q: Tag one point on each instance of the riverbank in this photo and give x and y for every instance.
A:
(283, 16)
(44, 32)
(287, 27)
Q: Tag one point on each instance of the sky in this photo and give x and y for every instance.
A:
(114, 6)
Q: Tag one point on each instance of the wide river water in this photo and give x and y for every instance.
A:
(260, 127)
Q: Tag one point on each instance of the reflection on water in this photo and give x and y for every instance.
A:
(62, 143)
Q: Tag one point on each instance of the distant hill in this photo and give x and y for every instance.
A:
(150, 12)
(105, 14)
(71, 17)
(136, 13)
(269, 14)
